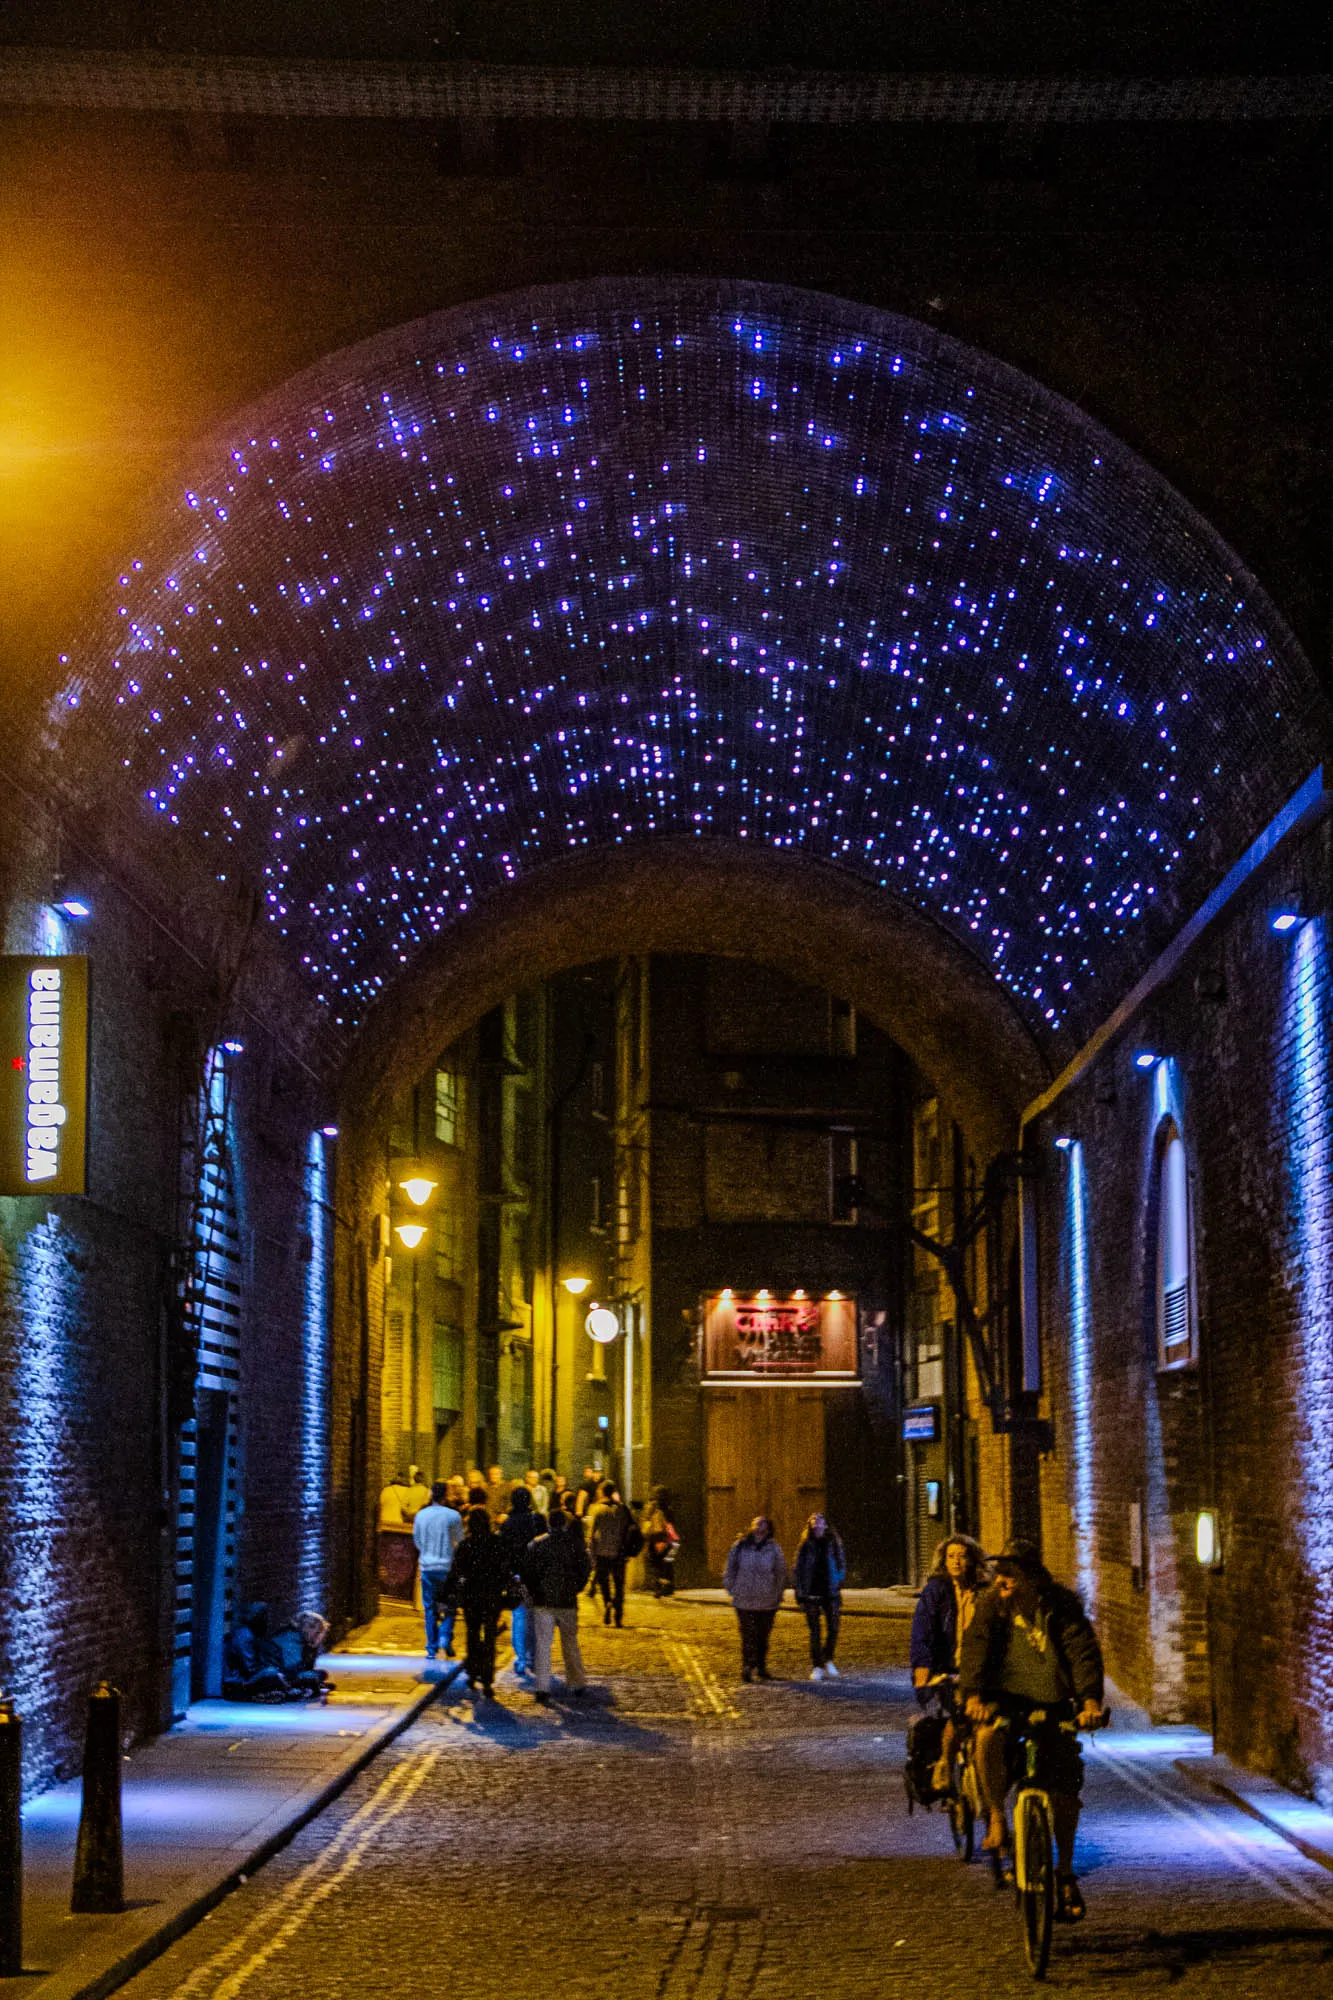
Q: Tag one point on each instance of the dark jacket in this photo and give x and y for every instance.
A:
(609, 1523)
(807, 1557)
(516, 1534)
(480, 1575)
(556, 1569)
(934, 1643)
(986, 1641)
(756, 1574)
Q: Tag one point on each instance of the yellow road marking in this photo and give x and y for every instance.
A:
(303, 1895)
(708, 1697)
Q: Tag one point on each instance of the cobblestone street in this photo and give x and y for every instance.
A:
(681, 1836)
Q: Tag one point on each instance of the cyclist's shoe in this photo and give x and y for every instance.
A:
(1070, 1907)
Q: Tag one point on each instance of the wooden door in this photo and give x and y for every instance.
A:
(763, 1454)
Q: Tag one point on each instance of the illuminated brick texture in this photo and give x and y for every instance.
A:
(591, 565)
(1245, 1034)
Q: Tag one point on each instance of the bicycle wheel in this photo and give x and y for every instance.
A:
(962, 1825)
(1035, 1874)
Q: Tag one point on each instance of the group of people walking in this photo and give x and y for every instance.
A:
(530, 1561)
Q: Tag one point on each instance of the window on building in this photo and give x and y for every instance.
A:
(448, 1107)
(841, 1027)
(1175, 1310)
(448, 1245)
(843, 1164)
(447, 1370)
(597, 1218)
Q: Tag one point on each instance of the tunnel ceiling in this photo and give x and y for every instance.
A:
(598, 564)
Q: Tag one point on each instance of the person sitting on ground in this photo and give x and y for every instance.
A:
(755, 1578)
(518, 1531)
(555, 1571)
(611, 1530)
(478, 1583)
(295, 1649)
(248, 1671)
(817, 1579)
(944, 1610)
(1031, 1646)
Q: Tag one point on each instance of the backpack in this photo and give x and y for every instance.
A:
(633, 1539)
(925, 1742)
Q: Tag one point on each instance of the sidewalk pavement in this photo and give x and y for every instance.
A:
(892, 1601)
(205, 1805)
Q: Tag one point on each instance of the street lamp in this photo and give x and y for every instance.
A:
(410, 1234)
(576, 1287)
(602, 1325)
(418, 1188)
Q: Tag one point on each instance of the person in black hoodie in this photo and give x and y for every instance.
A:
(556, 1570)
(479, 1579)
(518, 1531)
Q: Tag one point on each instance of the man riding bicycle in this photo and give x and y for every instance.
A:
(1031, 1647)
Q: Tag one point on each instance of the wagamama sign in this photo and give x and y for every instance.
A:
(44, 1079)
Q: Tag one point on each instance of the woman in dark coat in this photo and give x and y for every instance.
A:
(944, 1610)
(478, 1580)
(817, 1578)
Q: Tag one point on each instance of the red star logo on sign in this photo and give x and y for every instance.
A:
(18, 1063)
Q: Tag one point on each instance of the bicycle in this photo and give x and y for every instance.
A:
(1034, 1842)
(962, 1799)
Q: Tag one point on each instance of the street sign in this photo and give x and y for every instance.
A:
(43, 1074)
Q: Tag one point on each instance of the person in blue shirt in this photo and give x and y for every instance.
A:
(437, 1531)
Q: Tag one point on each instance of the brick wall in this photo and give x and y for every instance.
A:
(87, 1519)
(1245, 1029)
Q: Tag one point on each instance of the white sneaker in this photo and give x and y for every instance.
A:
(831, 1671)
(816, 1673)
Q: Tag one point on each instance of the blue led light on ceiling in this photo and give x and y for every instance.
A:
(604, 563)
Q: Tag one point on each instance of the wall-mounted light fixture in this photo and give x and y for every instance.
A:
(602, 1325)
(418, 1188)
(576, 1286)
(1145, 1059)
(329, 1131)
(1286, 920)
(1208, 1539)
(234, 1048)
(74, 906)
(410, 1234)
(1063, 1143)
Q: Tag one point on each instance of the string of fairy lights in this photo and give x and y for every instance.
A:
(624, 560)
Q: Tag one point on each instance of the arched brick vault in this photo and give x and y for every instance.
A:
(902, 971)
(582, 571)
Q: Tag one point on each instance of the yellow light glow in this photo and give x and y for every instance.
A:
(418, 1189)
(410, 1234)
(576, 1287)
(602, 1324)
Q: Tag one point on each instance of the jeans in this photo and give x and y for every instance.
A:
(822, 1648)
(438, 1613)
(565, 1620)
(609, 1578)
(523, 1635)
(755, 1628)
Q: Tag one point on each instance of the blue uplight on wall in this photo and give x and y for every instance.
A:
(608, 563)
(1307, 1132)
(315, 1362)
(1081, 1379)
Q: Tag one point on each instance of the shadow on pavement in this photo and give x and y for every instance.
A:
(1175, 1953)
(531, 1727)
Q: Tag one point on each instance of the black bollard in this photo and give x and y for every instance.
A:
(11, 1841)
(99, 1862)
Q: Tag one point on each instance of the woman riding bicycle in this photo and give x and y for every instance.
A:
(1031, 1647)
(943, 1613)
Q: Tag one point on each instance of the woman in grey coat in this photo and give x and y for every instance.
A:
(755, 1578)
